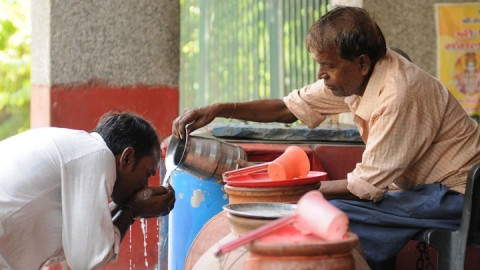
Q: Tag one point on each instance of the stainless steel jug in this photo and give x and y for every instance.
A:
(203, 157)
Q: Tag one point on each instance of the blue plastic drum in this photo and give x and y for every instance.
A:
(196, 202)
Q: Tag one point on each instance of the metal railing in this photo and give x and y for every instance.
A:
(239, 50)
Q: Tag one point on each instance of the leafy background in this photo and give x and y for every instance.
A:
(15, 62)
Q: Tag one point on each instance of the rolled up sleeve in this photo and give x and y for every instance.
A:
(311, 103)
(364, 189)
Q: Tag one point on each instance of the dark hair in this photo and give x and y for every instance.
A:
(350, 31)
(122, 130)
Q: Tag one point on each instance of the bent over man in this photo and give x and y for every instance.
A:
(55, 188)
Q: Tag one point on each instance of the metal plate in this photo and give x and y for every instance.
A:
(261, 210)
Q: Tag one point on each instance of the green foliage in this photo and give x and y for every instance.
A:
(15, 62)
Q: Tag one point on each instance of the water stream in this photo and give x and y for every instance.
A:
(130, 245)
(144, 231)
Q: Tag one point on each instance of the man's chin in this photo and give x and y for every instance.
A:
(337, 93)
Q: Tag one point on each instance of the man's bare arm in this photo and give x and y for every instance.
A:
(336, 189)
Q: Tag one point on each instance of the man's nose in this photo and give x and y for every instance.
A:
(321, 75)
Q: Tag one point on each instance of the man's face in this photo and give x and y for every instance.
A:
(343, 77)
(131, 177)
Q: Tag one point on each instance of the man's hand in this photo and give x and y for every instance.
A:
(264, 110)
(195, 119)
(152, 202)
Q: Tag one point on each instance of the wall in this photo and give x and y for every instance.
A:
(410, 26)
(84, 50)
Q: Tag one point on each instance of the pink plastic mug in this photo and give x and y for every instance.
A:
(313, 215)
(318, 216)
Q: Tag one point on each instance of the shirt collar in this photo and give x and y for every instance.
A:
(368, 101)
(98, 137)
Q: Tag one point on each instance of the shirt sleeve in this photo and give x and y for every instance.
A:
(394, 143)
(88, 234)
(311, 103)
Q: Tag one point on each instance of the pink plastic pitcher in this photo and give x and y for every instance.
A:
(293, 163)
(314, 214)
(318, 216)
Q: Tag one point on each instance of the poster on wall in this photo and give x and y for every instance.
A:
(458, 47)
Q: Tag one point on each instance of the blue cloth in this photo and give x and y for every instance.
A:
(386, 226)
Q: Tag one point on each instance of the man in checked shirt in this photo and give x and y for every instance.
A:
(417, 137)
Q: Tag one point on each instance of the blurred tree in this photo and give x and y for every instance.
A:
(15, 64)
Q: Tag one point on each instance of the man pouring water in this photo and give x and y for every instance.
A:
(420, 143)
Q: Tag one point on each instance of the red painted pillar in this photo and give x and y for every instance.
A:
(89, 57)
(80, 106)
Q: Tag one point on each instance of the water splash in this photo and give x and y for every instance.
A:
(130, 245)
(144, 231)
(158, 242)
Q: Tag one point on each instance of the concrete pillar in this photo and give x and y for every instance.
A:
(92, 56)
(89, 57)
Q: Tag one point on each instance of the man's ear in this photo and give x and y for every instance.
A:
(127, 157)
(365, 64)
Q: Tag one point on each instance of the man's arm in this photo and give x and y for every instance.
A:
(267, 110)
(336, 189)
(87, 227)
(122, 220)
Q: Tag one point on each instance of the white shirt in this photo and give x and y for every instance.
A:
(54, 190)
